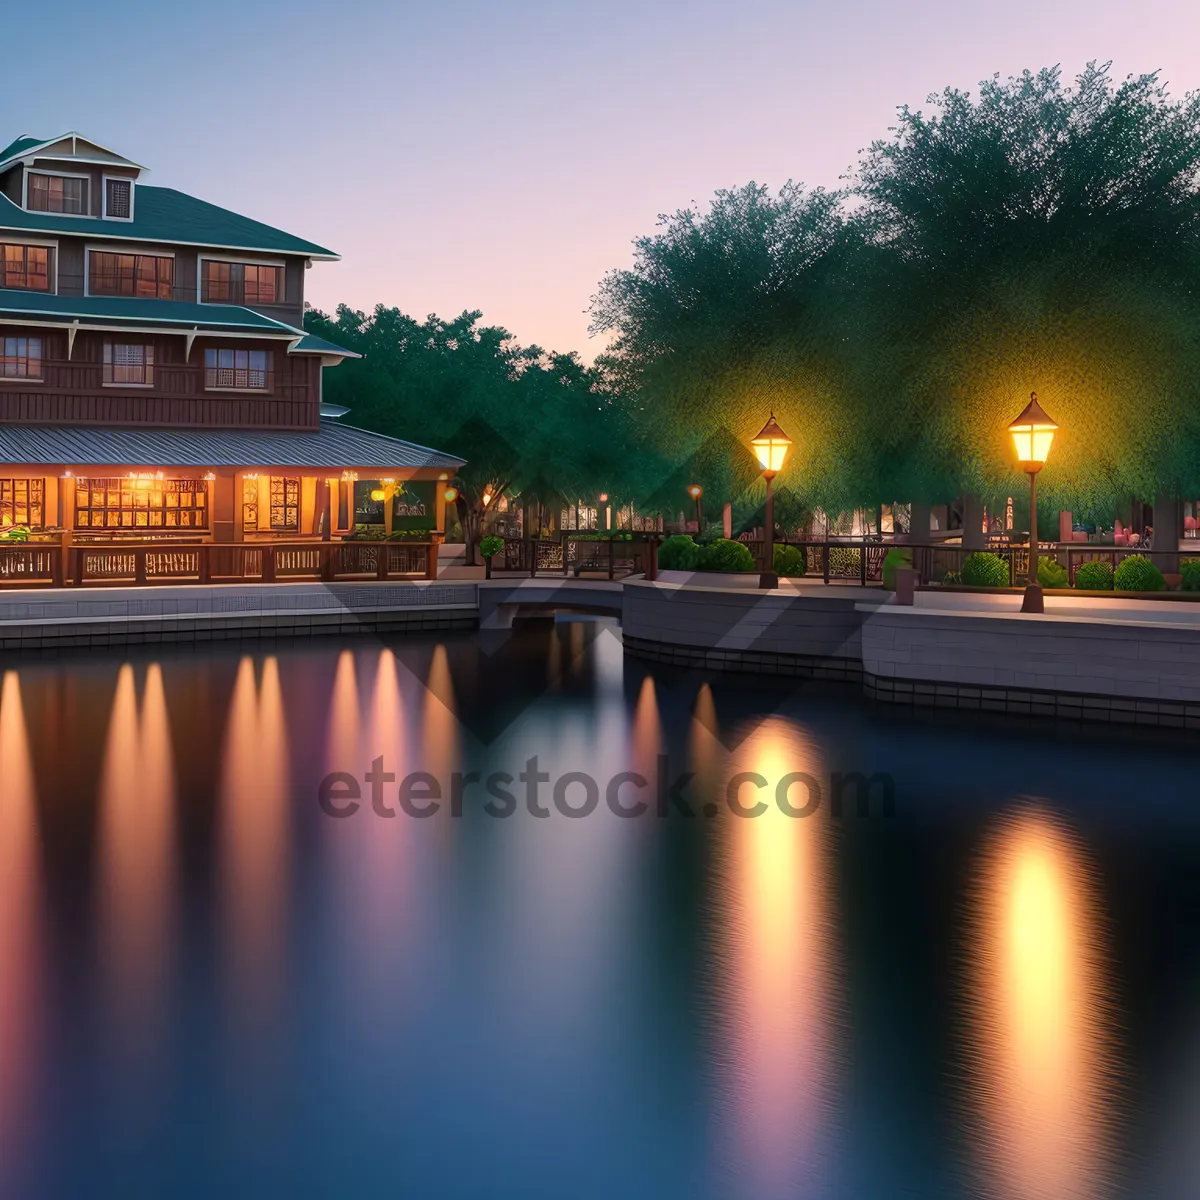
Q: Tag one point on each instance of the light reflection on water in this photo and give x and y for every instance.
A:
(778, 1005)
(1041, 1055)
(20, 922)
(530, 1006)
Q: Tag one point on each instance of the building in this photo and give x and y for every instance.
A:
(156, 384)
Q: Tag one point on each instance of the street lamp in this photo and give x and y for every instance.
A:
(1033, 432)
(696, 491)
(771, 446)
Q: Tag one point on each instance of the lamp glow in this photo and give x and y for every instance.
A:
(1032, 433)
(450, 495)
(695, 491)
(377, 494)
(771, 446)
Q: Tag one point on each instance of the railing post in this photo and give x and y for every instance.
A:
(610, 557)
(381, 564)
(862, 563)
(204, 562)
(566, 561)
(825, 560)
(431, 559)
(268, 562)
(139, 566)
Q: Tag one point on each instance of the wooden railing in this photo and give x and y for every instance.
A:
(580, 552)
(38, 564)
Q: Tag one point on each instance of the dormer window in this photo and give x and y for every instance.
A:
(56, 193)
(118, 198)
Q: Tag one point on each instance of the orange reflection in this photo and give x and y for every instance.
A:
(778, 996)
(1041, 1060)
(705, 752)
(254, 840)
(646, 735)
(342, 752)
(439, 721)
(20, 917)
(137, 855)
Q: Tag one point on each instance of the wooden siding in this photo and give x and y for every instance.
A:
(73, 392)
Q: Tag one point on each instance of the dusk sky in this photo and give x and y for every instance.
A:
(502, 156)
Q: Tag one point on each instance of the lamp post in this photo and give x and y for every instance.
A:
(696, 491)
(1033, 432)
(771, 447)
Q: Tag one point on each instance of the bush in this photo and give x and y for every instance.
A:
(17, 533)
(678, 553)
(1190, 570)
(788, 561)
(892, 562)
(725, 555)
(981, 569)
(1138, 574)
(1052, 574)
(1095, 576)
(491, 545)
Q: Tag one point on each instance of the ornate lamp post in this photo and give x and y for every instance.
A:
(696, 491)
(771, 447)
(1033, 432)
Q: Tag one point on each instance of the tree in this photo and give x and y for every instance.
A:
(517, 414)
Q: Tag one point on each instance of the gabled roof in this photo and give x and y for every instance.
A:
(139, 311)
(24, 146)
(332, 446)
(165, 215)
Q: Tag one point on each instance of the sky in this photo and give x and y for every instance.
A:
(503, 156)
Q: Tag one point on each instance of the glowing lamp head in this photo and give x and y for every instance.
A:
(603, 497)
(450, 495)
(1032, 433)
(771, 446)
(695, 491)
(377, 495)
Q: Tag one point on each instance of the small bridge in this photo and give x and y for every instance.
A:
(502, 600)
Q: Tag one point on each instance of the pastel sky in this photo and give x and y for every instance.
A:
(502, 155)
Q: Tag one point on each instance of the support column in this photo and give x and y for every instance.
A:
(973, 538)
(224, 496)
(1168, 528)
(727, 521)
(919, 523)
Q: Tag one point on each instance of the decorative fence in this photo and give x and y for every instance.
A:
(582, 553)
(42, 564)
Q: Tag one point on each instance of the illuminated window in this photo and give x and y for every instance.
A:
(130, 275)
(141, 504)
(21, 358)
(128, 363)
(21, 502)
(283, 497)
(57, 194)
(25, 267)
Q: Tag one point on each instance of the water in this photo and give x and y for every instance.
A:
(208, 986)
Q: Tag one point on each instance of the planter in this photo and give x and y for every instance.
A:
(711, 579)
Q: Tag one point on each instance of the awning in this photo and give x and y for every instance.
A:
(332, 446)
(136, 312)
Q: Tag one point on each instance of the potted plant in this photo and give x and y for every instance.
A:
(489, 547)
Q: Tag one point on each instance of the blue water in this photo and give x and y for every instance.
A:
(984, 983)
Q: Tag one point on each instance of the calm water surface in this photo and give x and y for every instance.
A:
(208, 986)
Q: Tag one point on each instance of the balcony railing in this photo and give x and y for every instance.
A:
(167, 379)
(73, 284)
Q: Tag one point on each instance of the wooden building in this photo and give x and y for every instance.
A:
(155, 378)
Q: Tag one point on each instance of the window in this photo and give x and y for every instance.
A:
(128, 363)
(21, 502)
(118, 198)
(282, 495)
(25, 267)
(57, 194)
(22, 358)
(241, 370)
(240, 283)
(141, 503)
(112, 274)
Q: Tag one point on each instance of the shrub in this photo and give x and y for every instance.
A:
(1138, 574)
(1052, 574)
(788, 561)
(981, 569)
(17, 533)
(892, 562)
(725, 555)
(1190, 570)
(1094, 576)
(491, 545)
(678, 553)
